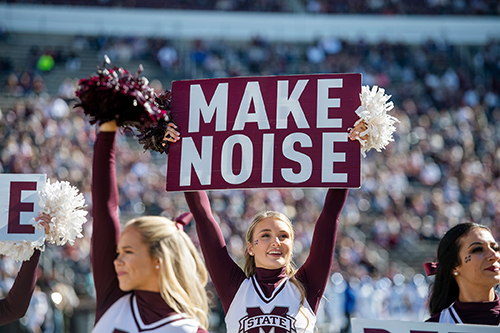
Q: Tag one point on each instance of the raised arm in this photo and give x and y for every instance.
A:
(316, 270)
(225, 273)
(15, 305)
(106, 225)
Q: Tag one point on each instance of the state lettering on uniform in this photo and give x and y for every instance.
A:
(277, 320)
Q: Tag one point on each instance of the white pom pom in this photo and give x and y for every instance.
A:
(65, 205)
(22, 250)
(373, 112)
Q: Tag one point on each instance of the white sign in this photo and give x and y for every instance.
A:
(390, 326)
(19, 205)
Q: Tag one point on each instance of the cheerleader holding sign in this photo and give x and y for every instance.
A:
(269, 294)
(151, 277)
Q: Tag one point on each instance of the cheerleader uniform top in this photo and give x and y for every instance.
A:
(15, 305)
(116, 310)
(478, 313)
(268, 301)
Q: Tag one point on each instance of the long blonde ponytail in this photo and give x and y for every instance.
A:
(183, 275)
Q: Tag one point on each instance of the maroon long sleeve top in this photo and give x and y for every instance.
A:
(15, 305)
(227, 276)
(478, 313)
(105, 236)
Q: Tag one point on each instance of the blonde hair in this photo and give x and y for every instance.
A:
(249, 266)
(183, 275)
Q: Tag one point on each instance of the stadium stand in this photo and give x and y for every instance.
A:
(381, 7)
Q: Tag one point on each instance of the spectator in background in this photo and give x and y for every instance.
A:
(58, 108)
(167, 57)
(67, 89)
(25, 82)
(73, 62)
(257, 55)
(198, 53)
(39, 315)
(12, 87)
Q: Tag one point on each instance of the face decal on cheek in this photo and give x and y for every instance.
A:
(479, 271)
(271, 243)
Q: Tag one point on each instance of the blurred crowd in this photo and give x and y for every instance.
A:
(384, 7)
(443, 167)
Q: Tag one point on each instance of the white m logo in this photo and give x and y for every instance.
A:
(262, 331)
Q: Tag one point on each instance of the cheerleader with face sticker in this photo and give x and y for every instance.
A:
(467, 272)
(269, 294)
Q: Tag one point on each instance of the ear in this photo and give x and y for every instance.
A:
(250, 248)
(156, 261)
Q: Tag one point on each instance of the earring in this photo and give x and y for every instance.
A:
(157, 266)
(455, 273)
(250, 253)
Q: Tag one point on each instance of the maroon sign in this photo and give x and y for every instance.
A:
(265, 132)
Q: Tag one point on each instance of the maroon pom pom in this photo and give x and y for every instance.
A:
(115, 94)
(152, 136)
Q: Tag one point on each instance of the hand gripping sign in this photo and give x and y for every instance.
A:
(265, 132)
(22, 198)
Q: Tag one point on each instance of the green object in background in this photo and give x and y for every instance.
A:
(45, 63)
